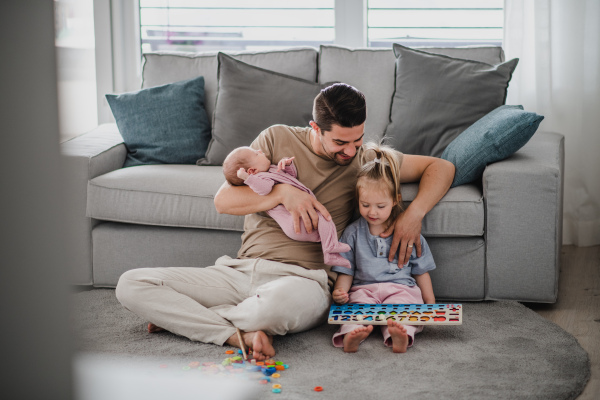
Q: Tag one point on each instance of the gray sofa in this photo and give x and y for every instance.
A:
(498, 239)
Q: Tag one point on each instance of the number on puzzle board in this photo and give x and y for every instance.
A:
(409, 314)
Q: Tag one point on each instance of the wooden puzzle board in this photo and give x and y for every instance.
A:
(409, 314)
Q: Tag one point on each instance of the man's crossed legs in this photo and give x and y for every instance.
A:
(260, 297)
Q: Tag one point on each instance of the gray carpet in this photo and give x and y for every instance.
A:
(503, 350)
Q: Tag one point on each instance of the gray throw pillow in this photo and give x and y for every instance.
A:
(437, 97)
(164, 124)
(249, 100)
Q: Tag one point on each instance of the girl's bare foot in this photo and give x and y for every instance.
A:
(399, 336)
(153, 328)
(260, 343)
(352, 339)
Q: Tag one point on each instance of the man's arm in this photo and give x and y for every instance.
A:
(435, 176)
(259, 184)
(242, 200)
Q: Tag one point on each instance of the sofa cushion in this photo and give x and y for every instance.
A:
(251, 99)
(182, 196)
(166, 195)
(494, 137)
(163, 125)
(165, 67)
(460, 213)
(120, 247)
(437, 97)
(372, 72)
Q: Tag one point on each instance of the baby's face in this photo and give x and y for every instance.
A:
(257, 159)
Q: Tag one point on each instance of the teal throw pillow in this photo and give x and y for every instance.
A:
(164, 124)
(494, 137)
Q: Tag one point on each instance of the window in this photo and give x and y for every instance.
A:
(76, 65)
(440, 23)
(141, 26)
(209, 25)
(204, 25)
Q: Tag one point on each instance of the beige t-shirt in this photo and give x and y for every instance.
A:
(332, 184)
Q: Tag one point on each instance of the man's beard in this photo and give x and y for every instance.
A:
(335, 157)
(341, 161)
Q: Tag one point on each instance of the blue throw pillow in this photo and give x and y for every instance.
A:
(494, 137)
(163, 125)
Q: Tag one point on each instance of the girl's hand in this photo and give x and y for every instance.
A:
(285, 162)
(242, 174)
(340, 296)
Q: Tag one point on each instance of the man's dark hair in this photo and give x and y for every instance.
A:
(339, 104)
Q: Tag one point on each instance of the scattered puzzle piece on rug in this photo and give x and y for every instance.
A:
(262, 372)
(408, 314)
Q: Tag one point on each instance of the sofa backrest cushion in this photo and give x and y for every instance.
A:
(250, 99)
(372, 72)
(166, 67)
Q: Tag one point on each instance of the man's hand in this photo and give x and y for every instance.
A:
(340, 296)
(435, 176)
(242, 174)
(407, 234)
(301, 205)
(285, 162)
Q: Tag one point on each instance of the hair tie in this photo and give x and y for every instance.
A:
(377, 160)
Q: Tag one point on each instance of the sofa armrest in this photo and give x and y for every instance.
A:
(85, 157)
(523, 198)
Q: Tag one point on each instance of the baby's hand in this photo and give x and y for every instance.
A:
(284, 163)
(242, 174)
(340, 296)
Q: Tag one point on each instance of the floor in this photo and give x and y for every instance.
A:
(578, 307)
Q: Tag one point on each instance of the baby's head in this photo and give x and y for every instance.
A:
(378, 184)
(253, 161)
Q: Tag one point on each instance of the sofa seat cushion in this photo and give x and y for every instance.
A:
(164, 195)
(460, 213)
(182, 196)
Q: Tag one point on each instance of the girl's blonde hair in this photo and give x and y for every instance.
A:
(380, 164)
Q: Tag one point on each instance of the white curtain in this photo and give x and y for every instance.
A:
(558, 76)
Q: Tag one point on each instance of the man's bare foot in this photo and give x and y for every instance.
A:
(260, 343)
(352, 339)
(153, 328)
(399, 336)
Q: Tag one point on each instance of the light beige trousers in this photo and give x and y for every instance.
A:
(207, 304)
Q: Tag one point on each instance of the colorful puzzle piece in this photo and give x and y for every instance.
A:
(409, 314)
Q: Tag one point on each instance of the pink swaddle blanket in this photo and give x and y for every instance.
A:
(262, 183)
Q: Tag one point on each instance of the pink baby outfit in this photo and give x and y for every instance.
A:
(382, 293)
(262, 183)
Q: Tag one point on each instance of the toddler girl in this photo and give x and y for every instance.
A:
(372, 278)
(247, 166)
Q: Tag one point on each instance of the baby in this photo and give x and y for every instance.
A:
(245, 165)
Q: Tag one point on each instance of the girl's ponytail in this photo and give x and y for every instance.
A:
(381, 164)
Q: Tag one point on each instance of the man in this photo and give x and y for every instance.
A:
(277, 285)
